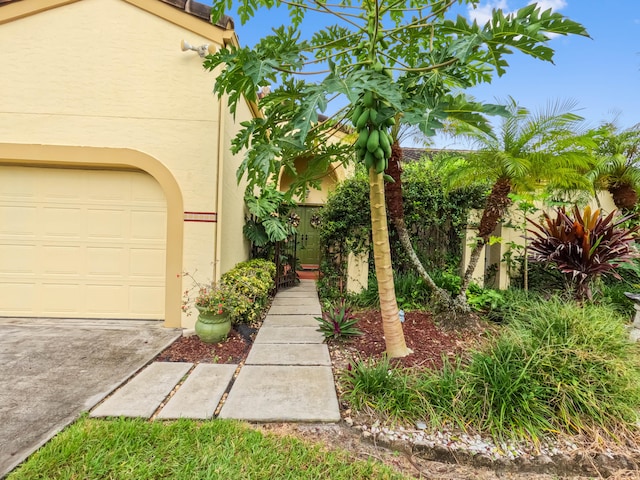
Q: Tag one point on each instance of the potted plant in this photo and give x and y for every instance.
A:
(212, 302)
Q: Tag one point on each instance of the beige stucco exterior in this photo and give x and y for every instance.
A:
(104, 84)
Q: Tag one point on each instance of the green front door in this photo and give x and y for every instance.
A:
(308, 235)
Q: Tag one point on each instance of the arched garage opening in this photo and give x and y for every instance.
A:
(89, 232)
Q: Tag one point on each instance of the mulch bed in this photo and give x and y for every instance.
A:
(191, 349)
(428, 341)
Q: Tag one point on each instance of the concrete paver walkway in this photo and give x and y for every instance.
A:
(287, 376)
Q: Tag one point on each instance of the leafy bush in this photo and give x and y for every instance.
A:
(411, 291)
(436, 220)
(337, 322)
(250, 283)
(484, 299)
(583, 247)
(447, 281)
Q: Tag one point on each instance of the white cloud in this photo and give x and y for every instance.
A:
(554, 5)
(482, 13)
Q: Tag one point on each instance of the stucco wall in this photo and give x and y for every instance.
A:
(105, 73)
(234, 247)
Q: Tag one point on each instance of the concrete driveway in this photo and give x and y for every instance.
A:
(53, 370)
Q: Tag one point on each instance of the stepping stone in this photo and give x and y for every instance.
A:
(199, 396)
(145, 392)
(296, 309)
(296, 354)
(283, 394)
(293, 301)
(294, 293)
(290, 321)
(277, 335)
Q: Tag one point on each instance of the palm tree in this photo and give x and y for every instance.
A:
(617, 154)
(393, 195)
(527, 151)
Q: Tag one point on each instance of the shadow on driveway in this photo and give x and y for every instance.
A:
(53, 370)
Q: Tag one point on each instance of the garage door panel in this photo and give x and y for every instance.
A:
(60, 299)
(18, 258)
(144, 298)
(107, 224)
(23, 186)
(81, 243)
(20, 296)
(23, 222)
(104, 300)
(145, 225)
(146, 262)
(106, 261)
(62, 222)
(60, 260)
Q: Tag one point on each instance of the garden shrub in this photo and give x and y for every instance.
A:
(435, 219)
(251, 283)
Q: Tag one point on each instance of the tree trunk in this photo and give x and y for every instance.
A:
(394, 336)
(624, 196)
(393, 193)
(497, 204)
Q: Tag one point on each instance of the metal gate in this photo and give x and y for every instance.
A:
(286, 262)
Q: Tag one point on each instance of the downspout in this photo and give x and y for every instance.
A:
(217, 255)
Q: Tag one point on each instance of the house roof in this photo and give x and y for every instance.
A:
(200, 10)
(196, 9)
(411, 154)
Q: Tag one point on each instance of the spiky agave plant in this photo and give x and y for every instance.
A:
(583, 247)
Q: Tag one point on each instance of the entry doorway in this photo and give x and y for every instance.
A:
(308, 236)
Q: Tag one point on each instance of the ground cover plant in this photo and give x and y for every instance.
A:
(548, 372)
(186, 449)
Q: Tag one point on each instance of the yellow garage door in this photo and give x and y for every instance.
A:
(81, 244)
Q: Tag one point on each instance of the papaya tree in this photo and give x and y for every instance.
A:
(377, 59)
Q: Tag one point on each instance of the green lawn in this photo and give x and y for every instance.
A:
(185, 449)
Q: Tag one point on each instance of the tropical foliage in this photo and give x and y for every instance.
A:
(548, 373)
(271, 217)
(338, 322)
(528, 151)
(383, 59)
(617, 153)
(583, 246)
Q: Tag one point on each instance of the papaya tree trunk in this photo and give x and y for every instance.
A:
(393, 195)
(394, 336)
(497, 204)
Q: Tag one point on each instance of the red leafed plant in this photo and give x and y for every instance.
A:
(584, 247)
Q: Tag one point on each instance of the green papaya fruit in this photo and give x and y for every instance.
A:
(373, 142)
(363, 119)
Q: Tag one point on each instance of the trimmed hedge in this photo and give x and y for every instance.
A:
(251, 282)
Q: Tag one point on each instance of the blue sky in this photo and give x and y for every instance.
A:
(601, 74)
